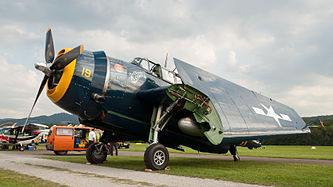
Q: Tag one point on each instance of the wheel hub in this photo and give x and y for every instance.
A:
(159, 157)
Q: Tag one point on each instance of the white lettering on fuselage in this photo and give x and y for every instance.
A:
(137, 75)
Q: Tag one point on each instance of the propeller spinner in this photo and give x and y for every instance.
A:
(51, 67)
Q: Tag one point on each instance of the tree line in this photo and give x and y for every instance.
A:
(319, 136)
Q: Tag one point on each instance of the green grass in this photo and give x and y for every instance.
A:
(13, 179)
(304, 152)
(265, 173)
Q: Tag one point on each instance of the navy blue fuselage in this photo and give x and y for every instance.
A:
(123, 112)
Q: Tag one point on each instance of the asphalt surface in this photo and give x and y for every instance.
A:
(74, 174)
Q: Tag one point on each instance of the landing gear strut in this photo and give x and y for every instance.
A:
(156, 155)
(233, 151)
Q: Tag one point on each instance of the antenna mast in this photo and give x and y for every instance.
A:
(166, 60)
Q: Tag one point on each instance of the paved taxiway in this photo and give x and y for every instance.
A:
(73, 174)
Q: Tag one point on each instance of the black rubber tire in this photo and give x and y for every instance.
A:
(60, 152)
(95, 157)
(156, 157)
(145, 157)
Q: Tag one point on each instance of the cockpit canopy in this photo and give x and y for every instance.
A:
(157, 70)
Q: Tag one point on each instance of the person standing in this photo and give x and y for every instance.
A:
(114, 147)
(92, 137)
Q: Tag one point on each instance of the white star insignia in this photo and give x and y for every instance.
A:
(271, 113)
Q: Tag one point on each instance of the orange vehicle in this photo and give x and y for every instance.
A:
(63, 139)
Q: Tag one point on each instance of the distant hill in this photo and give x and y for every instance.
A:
(64, 118)
(327, 117)
(56, 119)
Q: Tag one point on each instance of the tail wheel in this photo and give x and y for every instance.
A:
(96, 153)
(236, 158)
(156, 157)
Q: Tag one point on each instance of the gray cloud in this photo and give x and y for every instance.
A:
(280, 48)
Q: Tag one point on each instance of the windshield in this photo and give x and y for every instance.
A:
(157, 70)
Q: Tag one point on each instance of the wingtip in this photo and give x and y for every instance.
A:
(48, 29)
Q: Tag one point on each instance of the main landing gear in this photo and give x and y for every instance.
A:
(234, 153)
(156, 155)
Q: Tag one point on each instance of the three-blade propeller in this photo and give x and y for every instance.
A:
(51, 65)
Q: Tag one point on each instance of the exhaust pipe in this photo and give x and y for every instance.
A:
(97, 97)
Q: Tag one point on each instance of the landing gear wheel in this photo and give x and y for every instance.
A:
(234, 153)
(60, 152)
(156, 157)
(96, 153)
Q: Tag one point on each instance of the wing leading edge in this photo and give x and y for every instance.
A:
(244, 113)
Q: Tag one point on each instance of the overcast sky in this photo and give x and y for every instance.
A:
(281, 49)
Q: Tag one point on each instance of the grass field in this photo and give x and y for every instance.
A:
(305, 152)
(12, 179)
(265, 173)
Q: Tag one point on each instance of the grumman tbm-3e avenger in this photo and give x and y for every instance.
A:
(141, 100)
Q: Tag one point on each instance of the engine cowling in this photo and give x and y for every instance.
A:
(190, 127)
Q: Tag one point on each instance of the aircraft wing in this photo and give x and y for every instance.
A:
(243, 113)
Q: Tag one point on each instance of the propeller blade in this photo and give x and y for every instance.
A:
(49, 47)
(42, 85)
(62, 61)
